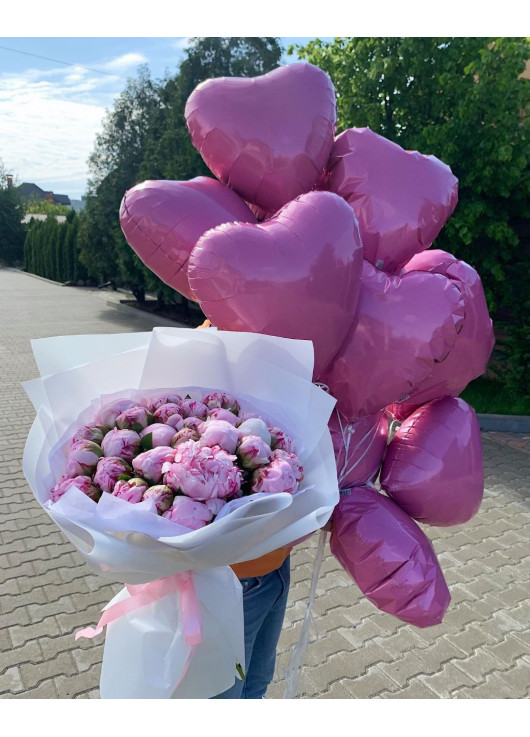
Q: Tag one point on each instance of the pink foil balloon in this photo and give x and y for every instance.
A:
(470, 354)
(359, 447)
(401, 198)
(389, 557)
(433, 467)
(163, 220)
(267, 137)
(297, 275)
(403, 326)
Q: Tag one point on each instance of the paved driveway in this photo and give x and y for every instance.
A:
(482, 649)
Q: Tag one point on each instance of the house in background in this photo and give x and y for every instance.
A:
(30, 191)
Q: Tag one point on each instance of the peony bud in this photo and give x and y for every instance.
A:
(121, 443)
(189, 513)
(156, 435)
(94, 433)
(83, 483)
(165, 411)
(280, 440)
(253, 452)
(292, 460)
(157, 400)
(184, 435)
(222, 414)
(162, 497)
(255, 426)
(215, 505)
(222, 400)
(278, 476)
(135, 418)
(149, 464)
(109, 470)
(82, 459)
(131, 491)
(192, 408)
(108, 414)
(221, 433)
(176, 422)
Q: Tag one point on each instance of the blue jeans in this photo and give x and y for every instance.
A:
(264, 603)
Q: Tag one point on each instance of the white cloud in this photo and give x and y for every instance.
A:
(48, 124)
(125, 62)
(181, 43)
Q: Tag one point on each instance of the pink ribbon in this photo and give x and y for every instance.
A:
(143, 594)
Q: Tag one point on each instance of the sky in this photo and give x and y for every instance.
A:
(52, 108)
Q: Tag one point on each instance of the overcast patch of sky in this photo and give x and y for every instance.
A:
(50, 114)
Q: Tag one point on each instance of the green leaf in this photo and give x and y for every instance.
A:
(146, 443)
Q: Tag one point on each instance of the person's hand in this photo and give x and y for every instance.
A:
(329, 525)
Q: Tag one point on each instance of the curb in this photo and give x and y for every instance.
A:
(504, 423)
(161, 321)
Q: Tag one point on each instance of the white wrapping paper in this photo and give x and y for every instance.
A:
(129, 543)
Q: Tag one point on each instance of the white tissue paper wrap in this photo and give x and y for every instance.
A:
(145, 651)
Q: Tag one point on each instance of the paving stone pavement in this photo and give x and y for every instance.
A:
(481, 650)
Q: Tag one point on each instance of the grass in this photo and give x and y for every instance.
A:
(488, 396)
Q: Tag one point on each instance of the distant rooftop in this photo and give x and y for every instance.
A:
(30, 190)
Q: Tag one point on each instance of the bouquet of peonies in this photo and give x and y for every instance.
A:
(190, 457)
(195, 450)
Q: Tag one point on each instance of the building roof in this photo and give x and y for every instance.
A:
(29, 189)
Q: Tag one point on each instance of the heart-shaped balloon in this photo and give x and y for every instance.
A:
(163, 220)
(359, 447)
(404, 325)
(433, 466)
(470, 354)
(267, 137)
(297, 275)
(389, 557)
(401, 198)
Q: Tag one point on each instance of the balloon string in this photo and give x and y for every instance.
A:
(297, 657)
(372, 433)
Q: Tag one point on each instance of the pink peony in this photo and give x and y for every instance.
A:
(83, 483)
(176, 422)
(222, 414)
(108, 414)
(121, 443)
(221, 400)
(189, 513)
(94, 433)
(134, 418)
(221, 433)
(253, 452)
(149, 464)
(132, 490)
(187, 433)
(157, 400)
(280, 440)
(292, 460)
(165, 411)
(192, 408)
(203, 473)
(157, 435)
(276, 477)
(193, 422)
(162, 497)
(82, 459)
(109, 470)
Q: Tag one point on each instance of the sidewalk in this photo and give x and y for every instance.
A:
(482, 649)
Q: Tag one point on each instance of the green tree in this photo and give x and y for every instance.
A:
(34, 205)
(463, 100)
(12, 231)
